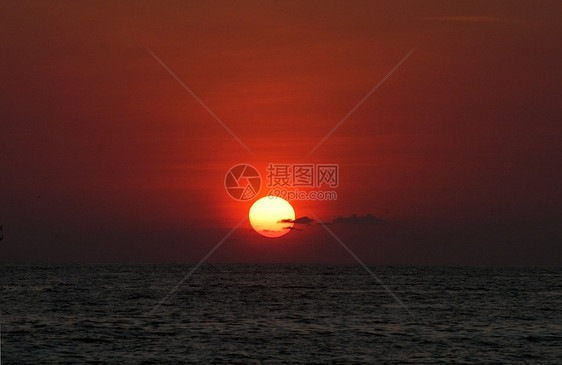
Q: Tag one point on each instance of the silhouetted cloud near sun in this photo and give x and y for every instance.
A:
(301, 220)
(368, 219)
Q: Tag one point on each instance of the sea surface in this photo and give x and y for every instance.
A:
(273, 314)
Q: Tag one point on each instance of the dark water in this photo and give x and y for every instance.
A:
(279, 314)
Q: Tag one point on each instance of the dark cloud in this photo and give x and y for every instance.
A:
(368, 219)
(301, 220)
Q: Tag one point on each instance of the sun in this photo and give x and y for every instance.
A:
(272, 216)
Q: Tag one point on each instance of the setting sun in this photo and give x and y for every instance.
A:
(272, 216)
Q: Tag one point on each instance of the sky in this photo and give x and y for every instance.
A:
(106, 157)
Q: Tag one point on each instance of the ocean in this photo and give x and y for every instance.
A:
(279, 314)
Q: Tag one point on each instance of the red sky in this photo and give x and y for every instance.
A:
(105, 157)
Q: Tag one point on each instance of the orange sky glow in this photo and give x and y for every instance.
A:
(105, 157)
